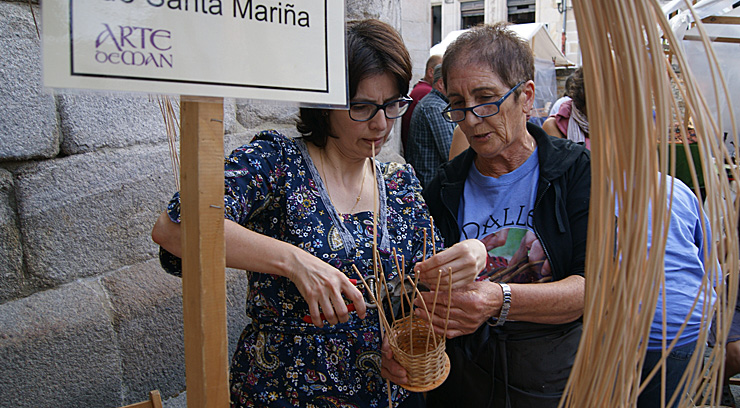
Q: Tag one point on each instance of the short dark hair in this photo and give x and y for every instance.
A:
(373, 48)
(568, 82)
(577, 91)
(508, 55)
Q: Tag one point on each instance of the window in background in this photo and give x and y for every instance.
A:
(436, 24)
(521, 11)
(471, 13)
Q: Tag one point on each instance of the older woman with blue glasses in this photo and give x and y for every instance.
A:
(525, 195)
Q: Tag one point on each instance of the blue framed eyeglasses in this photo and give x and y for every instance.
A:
(483, 110)
(364, 111)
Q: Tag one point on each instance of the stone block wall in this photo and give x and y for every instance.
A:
(28, 120)
(87, 315)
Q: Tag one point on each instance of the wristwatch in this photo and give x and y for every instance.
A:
(506, 305)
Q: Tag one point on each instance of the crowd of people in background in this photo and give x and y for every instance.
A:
(510, 202)
(430, 135)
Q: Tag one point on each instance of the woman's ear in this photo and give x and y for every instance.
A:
(528, 95)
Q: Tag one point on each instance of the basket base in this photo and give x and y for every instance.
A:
(433, 385)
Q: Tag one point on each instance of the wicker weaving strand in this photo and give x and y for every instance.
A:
(168, 106)
(434, 307)
(376, 264)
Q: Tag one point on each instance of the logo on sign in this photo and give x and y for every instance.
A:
(134, 46)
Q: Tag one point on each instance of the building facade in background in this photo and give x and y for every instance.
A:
(557, 15)
(452, 15)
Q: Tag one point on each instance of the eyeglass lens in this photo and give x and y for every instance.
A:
(480, 110)
(362, 111)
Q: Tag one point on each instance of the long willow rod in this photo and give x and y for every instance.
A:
(416, 273)
(375, 236)
(376, 208)
(172, 128)
(373, 298)
(401, 278)
(434, 307)
(449, 300)
(631, 109)
(415, 282)
(384, 284)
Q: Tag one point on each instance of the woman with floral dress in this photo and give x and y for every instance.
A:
(299, 214)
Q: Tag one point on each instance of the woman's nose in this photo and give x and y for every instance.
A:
(471, 119)
(379, 121)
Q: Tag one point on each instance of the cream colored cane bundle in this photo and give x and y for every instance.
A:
(631, 109)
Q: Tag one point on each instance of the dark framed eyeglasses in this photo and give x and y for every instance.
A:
(483, 110)
(364, 111)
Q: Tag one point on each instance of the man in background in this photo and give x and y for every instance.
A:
(421, 89)
(429, 134)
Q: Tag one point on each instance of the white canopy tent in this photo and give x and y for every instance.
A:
(535, 34)
(723, 30)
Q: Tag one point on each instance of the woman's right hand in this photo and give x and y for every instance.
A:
(322, 286)
(459, 264)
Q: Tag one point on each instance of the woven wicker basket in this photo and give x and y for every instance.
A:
(413, 346)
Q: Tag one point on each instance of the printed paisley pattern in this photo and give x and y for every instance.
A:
(273, 187)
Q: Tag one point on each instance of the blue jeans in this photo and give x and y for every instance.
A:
(676, 364)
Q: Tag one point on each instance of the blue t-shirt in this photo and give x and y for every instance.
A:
(499, 212)
(684, 269)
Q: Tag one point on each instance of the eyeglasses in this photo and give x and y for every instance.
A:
(483, 110)
(364, 111)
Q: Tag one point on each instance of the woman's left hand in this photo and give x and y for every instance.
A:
(390, 368)
(459, 264)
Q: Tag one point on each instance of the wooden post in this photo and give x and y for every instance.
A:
(203, 264)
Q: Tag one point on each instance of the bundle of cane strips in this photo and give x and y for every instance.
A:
(623, 43)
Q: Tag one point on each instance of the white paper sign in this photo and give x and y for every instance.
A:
(257, 49)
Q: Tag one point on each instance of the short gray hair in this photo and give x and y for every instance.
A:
(507, 55)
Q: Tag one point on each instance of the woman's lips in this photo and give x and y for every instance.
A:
(376, 142)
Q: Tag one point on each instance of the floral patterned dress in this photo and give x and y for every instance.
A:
(273, 187)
